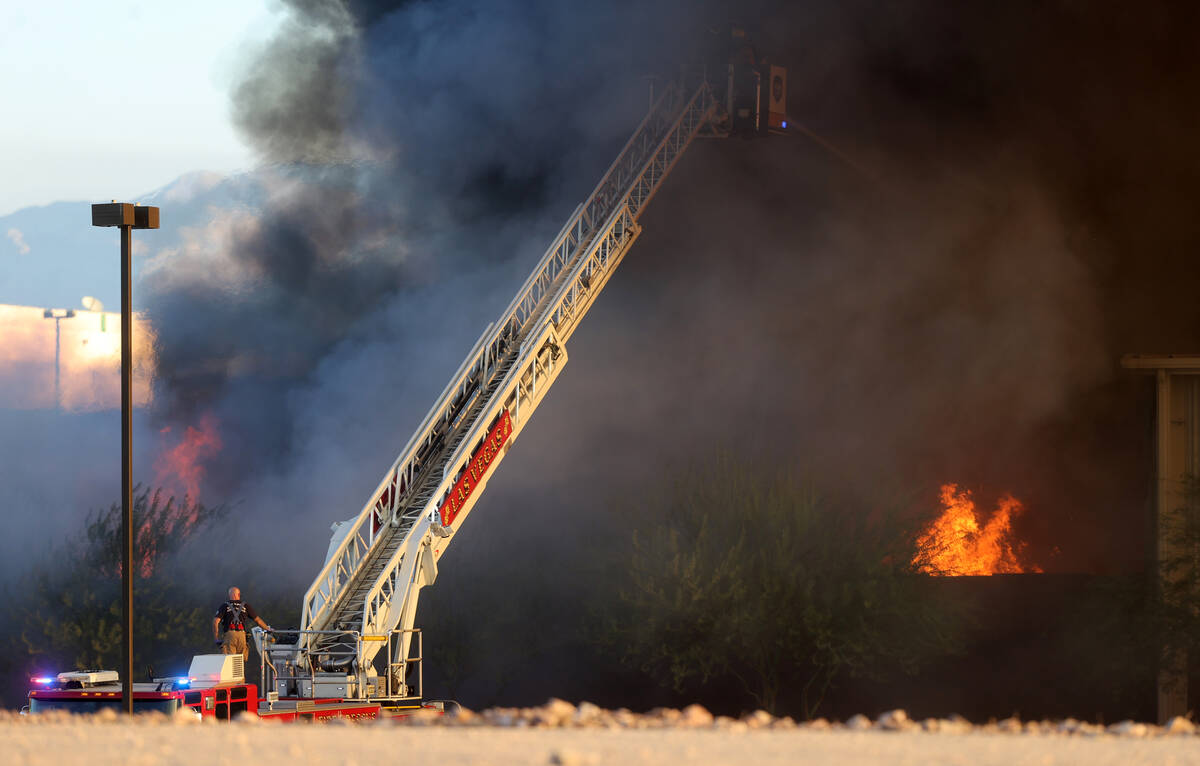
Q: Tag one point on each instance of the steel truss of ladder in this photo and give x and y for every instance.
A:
(370, 582)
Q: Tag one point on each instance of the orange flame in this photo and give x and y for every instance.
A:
(180, 467)
(955, 545)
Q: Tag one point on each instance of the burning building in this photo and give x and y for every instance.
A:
(1176, 471)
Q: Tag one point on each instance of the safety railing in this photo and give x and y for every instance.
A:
(271, 649)
(395, 681)
(399, 668)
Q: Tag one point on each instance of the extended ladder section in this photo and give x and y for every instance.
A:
(369, 585)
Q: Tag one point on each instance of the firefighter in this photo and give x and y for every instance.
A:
(229, 624)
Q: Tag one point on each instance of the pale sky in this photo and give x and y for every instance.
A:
(103, 100)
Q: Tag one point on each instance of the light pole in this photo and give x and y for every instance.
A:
(57, 315)
(126, 217)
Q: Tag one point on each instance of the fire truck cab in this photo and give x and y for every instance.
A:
(215, 687)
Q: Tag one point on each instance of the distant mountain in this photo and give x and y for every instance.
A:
(51, 255)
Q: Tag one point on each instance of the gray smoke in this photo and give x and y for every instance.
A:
(952, 314)
(931, 282)
(419, 162)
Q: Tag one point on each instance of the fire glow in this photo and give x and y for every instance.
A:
(178, 468)
(956, 545)
(181, 468)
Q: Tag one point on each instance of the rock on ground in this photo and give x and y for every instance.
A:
(565, 734)
(150, 741)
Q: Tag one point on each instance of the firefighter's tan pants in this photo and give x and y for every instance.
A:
(234, 642)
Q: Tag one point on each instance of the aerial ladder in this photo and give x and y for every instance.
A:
(364, 600)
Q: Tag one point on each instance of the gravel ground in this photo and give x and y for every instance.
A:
(559, 733)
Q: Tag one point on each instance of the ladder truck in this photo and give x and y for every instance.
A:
(357, 653)
(363, 602)
(357, 637)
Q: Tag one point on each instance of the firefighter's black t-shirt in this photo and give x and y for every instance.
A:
(234, 615)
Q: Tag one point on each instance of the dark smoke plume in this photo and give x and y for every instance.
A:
(999, 206)
(419, 159)
(954, 313)
(942, 298)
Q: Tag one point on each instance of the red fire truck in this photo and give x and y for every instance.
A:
(215, 688)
